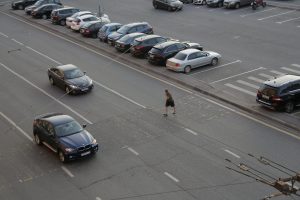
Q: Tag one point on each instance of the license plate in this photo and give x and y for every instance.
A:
(85, 153)
(265, 97)
(151, 56)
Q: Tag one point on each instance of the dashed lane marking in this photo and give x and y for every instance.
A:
(16, 41)
(231, 153)
(284, 13)
(67, 171)
(191, 131)
(288, 20)
(241, 89)
(237, 61)
(3, 34)
(248, 84)
(43, 55)
(257, 12)
(291, 70)
(133, 151)
(171, 177)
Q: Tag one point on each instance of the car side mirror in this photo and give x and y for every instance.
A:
(83, 125)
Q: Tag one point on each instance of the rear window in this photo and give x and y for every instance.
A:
(180, 56)
(268, 90)
(155, 50)
(135, 42)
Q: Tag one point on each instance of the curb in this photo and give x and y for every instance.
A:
(181, 82)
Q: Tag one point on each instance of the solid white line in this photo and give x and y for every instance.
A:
(231, 153)
(17, 42)
(171, 177)
(295, 65)
(241, 89)
(277, 15)
(288, 20)
(248, 84)
(98, 198)
(43, 55)
(291, 70)
(238, 75)
(266, 76)
(256, 79)
(277, 72)
(133, 151)
(120, 95)
(16, 126)
(257, 12)
(237, 61)
(67, 171)
(44, 92)
(191, 131)
(3, 34)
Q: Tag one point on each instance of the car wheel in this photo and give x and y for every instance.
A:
(62, 22)
(21, 7)
(44, 16)
(51, 81)
(94, 35)
(155, 6)
(220, 4)
(37, 139)
(68, 90)
(204, 2)
(237, 5)
(214, 61)
(61, 156)
(289, 107)
(170, 9)
(187, 69)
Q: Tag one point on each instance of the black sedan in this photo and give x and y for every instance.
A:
(63, 135)
(44, 11)
(124, 43)
(70, 78)
(20, 5)
(91, 29)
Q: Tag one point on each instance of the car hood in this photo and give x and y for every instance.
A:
(211, 53)
(83, 81)
(115, 35)
(77, 140)
(30, 7)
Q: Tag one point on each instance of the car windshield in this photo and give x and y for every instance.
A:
(103, 28)
(67, 129)
(180, 56)
(73, 73)
(123, 30)
(155, 50)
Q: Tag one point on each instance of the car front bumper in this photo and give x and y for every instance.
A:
(82, 154)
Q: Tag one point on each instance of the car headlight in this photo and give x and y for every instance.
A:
(73, 86)
(69, 150)
(94, 141)
(91, 82)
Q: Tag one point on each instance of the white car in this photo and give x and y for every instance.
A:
(79, 21)
(69, 20)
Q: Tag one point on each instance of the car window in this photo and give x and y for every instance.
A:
(192, 56)
(47, 127)
(133, 30)
(268, 90)
(180, 56)
(291, 88)
(159, 40)
(180, 46)
(73, 73)
(67, 129)
(171, 48)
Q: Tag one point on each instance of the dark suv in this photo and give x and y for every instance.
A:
(22, 4)
(39, 3)
(63, 135)
(44, 11)
(59, 16)
(280, 93)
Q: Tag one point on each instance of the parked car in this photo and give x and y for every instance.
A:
(107, 29)
(39, 3)
(70, 19)
(91, 29)
(44, 11)
(188, 59)
(215, 3)
(236, 3)
(58, 16)
(280, 93)
(79, 21)
(63, 135)
(193, 45)
(20, 5)
(141, 27)
(70, 78)
(199, 2)
(124, 43)
(169, 5)
(142, 45)
(186, 1)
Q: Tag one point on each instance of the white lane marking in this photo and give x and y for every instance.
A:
(288, 20)
(256, 79)
(133, 151)
(291, 70)
(98, 198)
(191, 131)
(248, 84)
(120, 95)
(3, 34)
(231, 153)
(47, 94)
(16, 41)
(43, 55)
(237, 61)
(277, 15)
(241, 89)
(266, 76)
(257, 12)
(16, 126)
(295, 65)
(277, 72)
(238, 75)
(236, 10)
(109, 58)
(67, 171)
(171, 177)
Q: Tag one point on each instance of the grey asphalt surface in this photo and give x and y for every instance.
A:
(163, 144)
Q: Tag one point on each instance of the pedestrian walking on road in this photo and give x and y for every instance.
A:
(169, 102)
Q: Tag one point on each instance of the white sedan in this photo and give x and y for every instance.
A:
(79, 21)
(69, 20)
(186, 60)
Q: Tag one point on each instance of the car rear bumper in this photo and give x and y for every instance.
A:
(273, 106)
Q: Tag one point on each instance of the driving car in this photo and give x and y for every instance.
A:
(90, 29)
(188, 59)
(281, 93)
(169, 5)
(44, 11)
(70, 78)
(20, 5)
(39, 3)
(124, 43)
(58, 16)
(63, 135)
(107, 29)
(70, 19)
(79, 21)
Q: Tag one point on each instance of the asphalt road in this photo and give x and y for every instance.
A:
(143, 155)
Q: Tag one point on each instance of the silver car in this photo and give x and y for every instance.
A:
(186, 60)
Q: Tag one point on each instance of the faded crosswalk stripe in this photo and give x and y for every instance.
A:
(277, 72)
(256, 79)
(241, 89)
(266, 76)
(291, 70)
(248, 84)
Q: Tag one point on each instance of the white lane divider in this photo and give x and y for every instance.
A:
(67, 171)
(288, 20)
(191, 131)
(231, 153)
(284, 13)
(16, 41)
(98, 198)
(3, 34)
(47, 94)
(257, 12)
(240, 89)
(133, 151)
(16, 126)
(43, 55)
(237, 61)
(171, 177)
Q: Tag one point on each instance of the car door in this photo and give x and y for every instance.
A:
(171, 51)
(295, 92)
(58, 78)
(192, 60)
(42, 130)
(53, 139)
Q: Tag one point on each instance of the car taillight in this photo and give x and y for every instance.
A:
(87, 30)
(138, 47)
(55, 17)
(177, 65)
(276, 98)
(258, 93)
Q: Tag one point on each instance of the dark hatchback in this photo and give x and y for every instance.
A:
(215, 3)
(136, 27)
(280, 93)
(44, 11)
(107, 29)
(39, 3)
(125, 42)
(91, 29)
(70, 78)
(142, 45)
(59, 16)
(20, 5)
(63, 135)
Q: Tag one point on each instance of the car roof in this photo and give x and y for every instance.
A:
(65, 8)
(165, 44)
(189, 51)
(48, 4)
(56, 118)
(282, 80)
(112, 24)
(66, 67)
(136, 24)
(147, 37)
(85, 16)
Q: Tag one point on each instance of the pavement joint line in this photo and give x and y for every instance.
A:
(276, 15)
(47, 94)
(43, 55)
(16, 41)
(237, 75)
(3, 34)
(67, 171)
(133, 151)
(237, 61)
(191, 131)
(245, 15)
(231, 153)
(16, 126)
(171, 177)
(288, 20)
(240, 89)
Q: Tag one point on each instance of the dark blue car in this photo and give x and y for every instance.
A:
(107, 29)
(63, 135)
